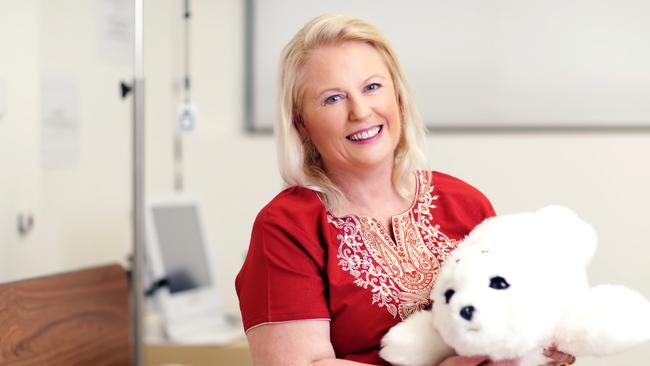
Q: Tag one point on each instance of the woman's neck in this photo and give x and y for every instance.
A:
(369, 193)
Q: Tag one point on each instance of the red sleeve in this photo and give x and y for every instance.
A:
(463, 204)
(283, 276)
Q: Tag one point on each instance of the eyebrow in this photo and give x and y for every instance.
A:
(340, 90)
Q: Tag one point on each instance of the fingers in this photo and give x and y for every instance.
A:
(503, 363)
(558, 358)
(464, 361)
(556, 363)
(473, 361)
(476, 361)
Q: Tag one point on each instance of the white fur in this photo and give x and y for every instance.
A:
(543, 256)
(415, 342)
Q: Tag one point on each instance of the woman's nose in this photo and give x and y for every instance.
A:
(360, 109)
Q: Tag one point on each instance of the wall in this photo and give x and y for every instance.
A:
(19, 175)
(81, 203)
(87, 203)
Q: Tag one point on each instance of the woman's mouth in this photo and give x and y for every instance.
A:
(366, 135)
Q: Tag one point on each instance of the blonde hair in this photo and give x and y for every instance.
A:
(299, 161)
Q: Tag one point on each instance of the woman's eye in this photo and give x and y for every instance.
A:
(373, 87)
(499, 283)
(332, 99)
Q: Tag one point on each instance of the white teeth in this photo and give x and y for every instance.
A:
(365, 134)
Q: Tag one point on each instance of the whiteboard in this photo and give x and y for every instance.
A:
(483, 63)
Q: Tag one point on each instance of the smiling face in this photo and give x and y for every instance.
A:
(349, 107)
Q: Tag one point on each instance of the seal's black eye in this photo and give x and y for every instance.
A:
(499, 283)
(448, 294)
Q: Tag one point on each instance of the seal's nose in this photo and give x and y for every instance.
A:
(467, 312)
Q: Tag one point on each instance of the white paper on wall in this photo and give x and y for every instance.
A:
(114, 31)
(60, 122)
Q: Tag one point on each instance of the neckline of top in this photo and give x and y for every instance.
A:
(416, 198)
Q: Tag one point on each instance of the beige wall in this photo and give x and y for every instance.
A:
(18, 147)
(80, 209)
(602, 175)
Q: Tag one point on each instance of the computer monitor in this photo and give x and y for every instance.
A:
(178, 252)
(181, 243)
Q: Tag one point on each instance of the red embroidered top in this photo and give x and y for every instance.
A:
(305, 263)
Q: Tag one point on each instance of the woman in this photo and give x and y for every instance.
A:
(354, 244)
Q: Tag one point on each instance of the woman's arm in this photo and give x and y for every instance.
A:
(307, 343)
(294, 343)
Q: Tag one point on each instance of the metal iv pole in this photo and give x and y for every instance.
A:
(137, 289)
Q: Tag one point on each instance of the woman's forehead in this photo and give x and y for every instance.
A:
(342, 63)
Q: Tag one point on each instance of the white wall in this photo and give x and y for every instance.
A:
(19, 175)
(87, 203)
(81, 207)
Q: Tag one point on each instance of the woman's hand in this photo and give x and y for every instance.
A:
(476, 361)
(558, 358)
(463, 361)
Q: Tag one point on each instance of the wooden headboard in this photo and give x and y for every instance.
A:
(75, 318)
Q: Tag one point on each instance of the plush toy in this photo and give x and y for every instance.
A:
(517, 284)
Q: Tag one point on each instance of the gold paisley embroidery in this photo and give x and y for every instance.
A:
(399, 274)
(436, 241)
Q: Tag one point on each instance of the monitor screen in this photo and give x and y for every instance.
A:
(182, 247)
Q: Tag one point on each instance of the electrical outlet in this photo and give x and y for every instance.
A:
(186, 117)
